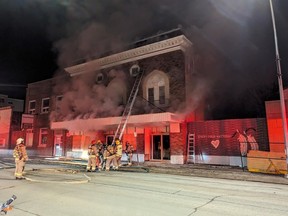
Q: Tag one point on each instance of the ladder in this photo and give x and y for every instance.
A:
(127, 111)
(191, 148)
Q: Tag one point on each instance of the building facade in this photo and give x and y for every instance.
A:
(87, 103)
(65, 113)
(154, 129)
(11, 110)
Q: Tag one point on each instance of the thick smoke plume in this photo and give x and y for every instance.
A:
(84, 98)
(233, 40)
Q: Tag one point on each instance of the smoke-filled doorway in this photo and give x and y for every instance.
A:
(160, 147)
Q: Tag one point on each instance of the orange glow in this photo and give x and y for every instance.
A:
(275, 126)
(147, 141)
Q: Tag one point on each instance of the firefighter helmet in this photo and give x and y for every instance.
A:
(19, 141)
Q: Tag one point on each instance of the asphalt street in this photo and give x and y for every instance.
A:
(63, 188)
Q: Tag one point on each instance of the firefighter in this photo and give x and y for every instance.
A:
(129, 152)
(99, 155)
(102, 154)
(20, 155)
(92, 152)
(118, 155)
(109, 156)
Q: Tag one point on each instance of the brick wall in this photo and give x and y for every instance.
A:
(178, 141)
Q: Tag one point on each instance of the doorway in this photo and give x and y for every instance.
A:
(160, 147)
(109, 139)
(58, 143)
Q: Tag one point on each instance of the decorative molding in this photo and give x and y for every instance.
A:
(154, 49)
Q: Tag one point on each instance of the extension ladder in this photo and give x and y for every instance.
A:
(191, 148)
(127, 111)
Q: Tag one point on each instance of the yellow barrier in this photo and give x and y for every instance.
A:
(267, 162)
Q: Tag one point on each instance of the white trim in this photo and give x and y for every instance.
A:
(104, 123)
(221, 160)
(154, 49)
(177, 159)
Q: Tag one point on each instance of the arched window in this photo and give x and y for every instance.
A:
(156, 88)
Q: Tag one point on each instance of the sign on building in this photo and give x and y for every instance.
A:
(229, 137)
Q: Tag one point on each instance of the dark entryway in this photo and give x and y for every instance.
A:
(109, 139)
(160, 147)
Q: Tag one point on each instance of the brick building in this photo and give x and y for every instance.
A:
(11, 110)
(87, 102)
(166, 122)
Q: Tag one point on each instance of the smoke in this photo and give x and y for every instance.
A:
(232, 39)
(84, 98)
(237, 34)
(97, 27)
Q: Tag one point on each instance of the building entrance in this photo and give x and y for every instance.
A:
(109, 139)
(58, 145)
(160, 147)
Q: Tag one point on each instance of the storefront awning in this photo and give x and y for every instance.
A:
(156, 119)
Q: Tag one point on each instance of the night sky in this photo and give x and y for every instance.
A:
(233, 40)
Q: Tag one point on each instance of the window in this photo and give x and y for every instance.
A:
(59, 98)
(151, 95)
(99, 78)
(32, 107)
(45, 105)
(43, 137)
(134, 70)
(161, 94)
(156, 88)
(58, 102)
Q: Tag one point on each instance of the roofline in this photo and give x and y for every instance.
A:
(165, 46)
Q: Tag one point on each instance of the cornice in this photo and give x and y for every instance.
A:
(154, 49)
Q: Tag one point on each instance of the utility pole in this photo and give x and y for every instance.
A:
(279, 75)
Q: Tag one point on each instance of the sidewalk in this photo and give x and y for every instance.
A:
(199, 170)
(216, 171)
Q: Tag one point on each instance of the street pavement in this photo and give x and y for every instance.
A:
(199, 170)
(63, 187)
(56, 187)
